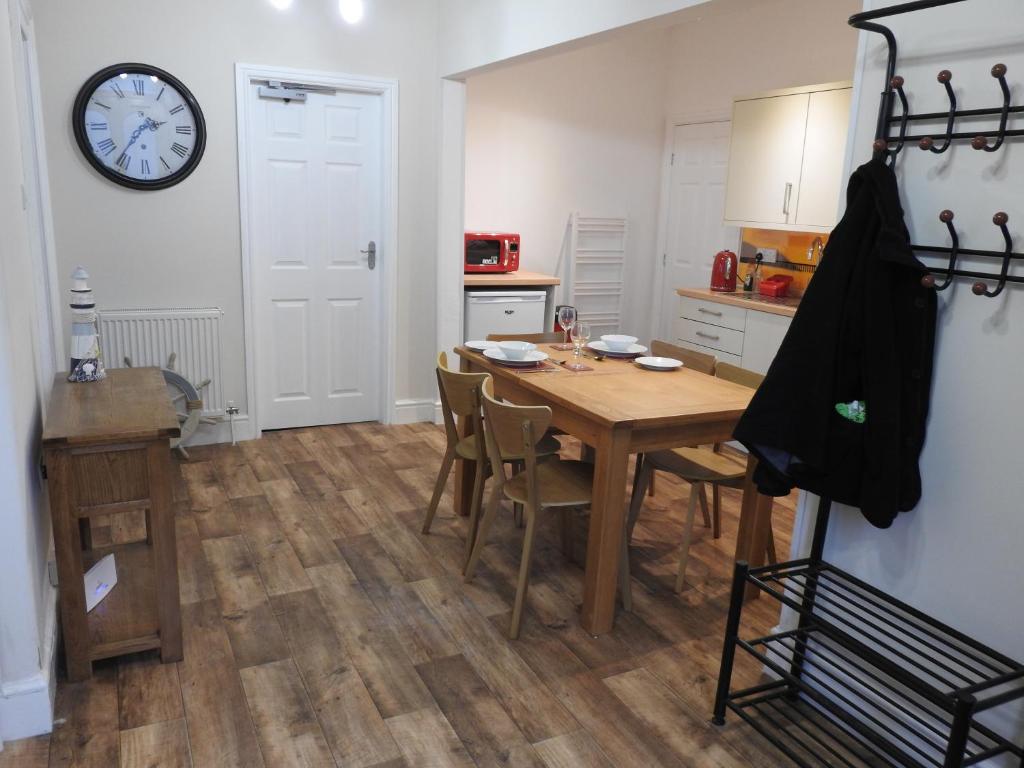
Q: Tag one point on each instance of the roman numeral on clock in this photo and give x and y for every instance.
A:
(164, 88)
(179, 149)
(117, 89)
(139, 86)
(177, 109)
(164, 162)
(97, 126)
(100, 104)
(124, 160)
(106, 146)
(144, 166)
(185, 130)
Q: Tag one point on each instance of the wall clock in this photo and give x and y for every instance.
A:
(139, 126)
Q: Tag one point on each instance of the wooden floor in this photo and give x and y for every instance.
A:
(321, 628)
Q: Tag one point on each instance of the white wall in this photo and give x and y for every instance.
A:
(577, 131)
(181, 246)
(26, 598)
(476, 34)
(958, 554)
(733, 48)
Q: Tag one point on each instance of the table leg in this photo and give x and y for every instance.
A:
(465, 469)
(607, 524)
(755, 523)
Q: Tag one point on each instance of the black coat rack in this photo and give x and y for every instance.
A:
(865, 679)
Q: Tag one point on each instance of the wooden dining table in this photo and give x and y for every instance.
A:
(618, 409)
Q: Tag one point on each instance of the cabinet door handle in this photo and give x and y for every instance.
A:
(707, 336)
(785, 198)
(709, 312)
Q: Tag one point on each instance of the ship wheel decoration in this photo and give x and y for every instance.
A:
(188, 403)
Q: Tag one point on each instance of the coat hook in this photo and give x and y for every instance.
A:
(928, 143)
(980, 289)
(881, 145)
(981, 141)
(928, 281)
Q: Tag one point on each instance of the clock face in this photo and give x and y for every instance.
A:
(139, 126)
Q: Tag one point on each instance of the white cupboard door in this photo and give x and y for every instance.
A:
(765, 159)
(695, 232)
(762, 338)
(315, 190)
(821, 184)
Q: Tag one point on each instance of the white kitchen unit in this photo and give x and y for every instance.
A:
(502, 311)
(786, 158)
(744, 332)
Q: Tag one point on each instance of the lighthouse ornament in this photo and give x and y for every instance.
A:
(86, 359)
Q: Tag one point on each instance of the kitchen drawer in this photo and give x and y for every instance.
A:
(707, 335)
(704, 311)
(722, 357)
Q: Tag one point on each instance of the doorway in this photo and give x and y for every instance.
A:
(319, 236)
(694, 232)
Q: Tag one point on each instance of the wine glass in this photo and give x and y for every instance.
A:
(566, 317)
(580, 334)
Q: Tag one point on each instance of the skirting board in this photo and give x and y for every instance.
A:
(416, 411)
(26, 705)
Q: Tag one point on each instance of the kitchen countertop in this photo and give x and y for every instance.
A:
(507, 279)
(785, 306)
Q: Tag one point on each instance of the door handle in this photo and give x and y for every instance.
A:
(371, 254)
(785, 199)
(708, 336)
(709, 312)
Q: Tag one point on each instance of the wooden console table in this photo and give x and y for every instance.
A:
(106, 452)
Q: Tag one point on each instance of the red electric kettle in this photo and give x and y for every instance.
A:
(723, 272)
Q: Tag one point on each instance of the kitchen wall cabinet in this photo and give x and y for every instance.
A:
(746, 337)
(786, 158)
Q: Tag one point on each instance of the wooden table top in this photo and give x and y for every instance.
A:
(130, 404)
(620, 392)
(785, 306)
(509, 279)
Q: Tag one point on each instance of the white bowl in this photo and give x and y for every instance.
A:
(617, 342)
(516, 350)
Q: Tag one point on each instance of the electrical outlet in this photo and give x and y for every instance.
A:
(769, 255)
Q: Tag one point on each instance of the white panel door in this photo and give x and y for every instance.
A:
(821, 181)
(765, 159)
(316, 199)
(695, 232)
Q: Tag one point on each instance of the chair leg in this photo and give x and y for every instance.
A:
(469, 568)
(625, 582)
(442, 480)
(704, 505)
(641, 478)
(650, 487)
(568, 531)
(773, 556)
(684, 554)
(524, 574)
(517, 514)
(716, 511)
(474, 509)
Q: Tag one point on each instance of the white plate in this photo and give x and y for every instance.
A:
(632, 351)
(659, 363)
(532, 358)
(480, 346)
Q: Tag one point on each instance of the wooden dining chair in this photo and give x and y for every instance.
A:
(698, 467)
(701, 362)
(460, 398)
(549, 337)
(512, 431)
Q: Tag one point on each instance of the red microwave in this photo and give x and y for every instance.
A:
(491, 252)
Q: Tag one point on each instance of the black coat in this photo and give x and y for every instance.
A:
(864, 332)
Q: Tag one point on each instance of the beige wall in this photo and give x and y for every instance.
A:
(578, 131)
(181, 246)
(734, 48)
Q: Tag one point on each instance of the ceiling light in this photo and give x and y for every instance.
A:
(351, 10)
(281, 5)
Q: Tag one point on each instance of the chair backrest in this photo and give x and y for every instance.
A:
(737, 375)
(460, 396)
(513, 430)
(551, 337)
(695, 361)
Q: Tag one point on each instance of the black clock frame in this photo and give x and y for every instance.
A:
(78, 125)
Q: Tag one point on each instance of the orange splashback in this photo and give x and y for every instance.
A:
(793, 246)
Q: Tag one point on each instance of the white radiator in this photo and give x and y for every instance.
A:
(149, 336)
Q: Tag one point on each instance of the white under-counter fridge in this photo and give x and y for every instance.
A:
(503, 311)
